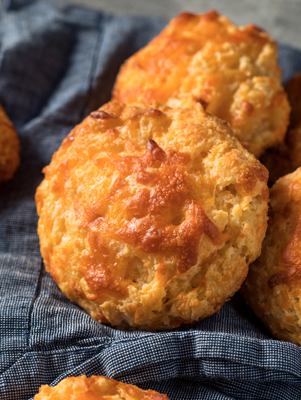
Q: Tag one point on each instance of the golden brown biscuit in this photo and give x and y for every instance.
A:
(150, 216)
(273, 286)
(9, 148)
(95, 388)
(232, 71)
(287, 158)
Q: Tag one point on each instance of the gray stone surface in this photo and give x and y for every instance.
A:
(281, 18)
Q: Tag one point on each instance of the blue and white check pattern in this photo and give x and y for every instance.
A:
(57, 64)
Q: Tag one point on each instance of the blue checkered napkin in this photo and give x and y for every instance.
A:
(57, 63)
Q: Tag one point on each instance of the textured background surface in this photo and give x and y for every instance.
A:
(280, 18)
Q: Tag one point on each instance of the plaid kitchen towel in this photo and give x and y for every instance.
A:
(58, 63)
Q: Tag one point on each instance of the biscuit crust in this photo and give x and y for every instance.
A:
(94, 388)
(9, 148)
(141, 222)
(287, 157)
(273, 286)
(233, 71)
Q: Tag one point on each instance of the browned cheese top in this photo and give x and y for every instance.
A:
(164, 62)
(286, 198)
(273, 286)
(95, 388)
(133, 203)
(232, 71)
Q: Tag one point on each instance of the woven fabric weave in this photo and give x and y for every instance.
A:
(58, 63)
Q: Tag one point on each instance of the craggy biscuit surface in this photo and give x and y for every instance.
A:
(95, 388)
(273, 286)
(150, 216)
(9, 148)
(287, 158)
(232, 71)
